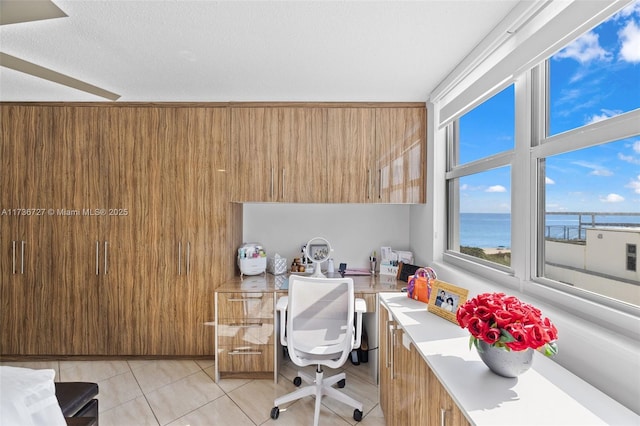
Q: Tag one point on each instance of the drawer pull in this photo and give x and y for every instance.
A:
(245, 299)
(246, 325)
(244, 352)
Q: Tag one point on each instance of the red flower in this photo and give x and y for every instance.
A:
(506, 322)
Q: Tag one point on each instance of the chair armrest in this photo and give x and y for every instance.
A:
(361, 306)
(281, 308)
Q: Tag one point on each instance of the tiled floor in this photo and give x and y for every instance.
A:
(181, 393)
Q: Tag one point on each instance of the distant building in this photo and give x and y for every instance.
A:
(605, 263)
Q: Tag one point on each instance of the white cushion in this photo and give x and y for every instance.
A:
(28, 398)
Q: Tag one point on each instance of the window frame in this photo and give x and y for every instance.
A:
(532, 146)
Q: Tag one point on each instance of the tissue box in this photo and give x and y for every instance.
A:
(277, 265)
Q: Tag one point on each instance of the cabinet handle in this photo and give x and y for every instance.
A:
(105, 258)
(393, 352)
(14, 257)
(388, 337)
(283, 184)
(443, 416)
(187, 263)
(368, 191)
(379, 183)
(271, 189)
(180, 258)
(244, 299)
(97, 257)
(22, 257)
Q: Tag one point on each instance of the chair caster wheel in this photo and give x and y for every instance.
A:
(357, 415)
(297, 381)
(342, 383)
(275, 412)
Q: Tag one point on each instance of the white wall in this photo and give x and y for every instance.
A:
(354, 230)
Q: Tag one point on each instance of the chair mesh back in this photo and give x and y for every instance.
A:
(320, 317)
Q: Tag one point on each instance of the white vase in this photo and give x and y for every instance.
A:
(505, 363)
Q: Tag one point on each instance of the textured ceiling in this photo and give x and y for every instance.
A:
(248, 51)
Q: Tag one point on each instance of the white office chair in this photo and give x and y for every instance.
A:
(316, 325)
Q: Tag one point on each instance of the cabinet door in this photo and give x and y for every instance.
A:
(350, 153)
(201, 225)
(404, 381)
(254, 154)
(385, 328)
(442, 409)
(130, 259)
(401, 155)
(302, 157)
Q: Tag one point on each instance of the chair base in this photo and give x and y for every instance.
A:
(318, 387)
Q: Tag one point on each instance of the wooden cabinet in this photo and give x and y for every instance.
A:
(410, 393)
(129, 232)
(245, 334)
(279, 154)
(351, 169)
(336, 154)
(401, 155)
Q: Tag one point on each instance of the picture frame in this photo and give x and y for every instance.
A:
(445, 299)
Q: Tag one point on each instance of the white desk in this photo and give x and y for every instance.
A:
(547, 394)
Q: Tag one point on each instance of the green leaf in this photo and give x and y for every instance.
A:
(506, 337)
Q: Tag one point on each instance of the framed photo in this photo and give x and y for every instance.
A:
(445, 299)
(319, 251)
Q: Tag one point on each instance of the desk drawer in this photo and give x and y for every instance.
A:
(245, 332)
(245, 305)
(247, 358)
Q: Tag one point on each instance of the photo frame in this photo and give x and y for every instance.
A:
(446, 299)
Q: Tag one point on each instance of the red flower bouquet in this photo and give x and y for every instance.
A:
(506, 322)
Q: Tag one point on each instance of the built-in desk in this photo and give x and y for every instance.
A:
(246, 338)
(547, 394)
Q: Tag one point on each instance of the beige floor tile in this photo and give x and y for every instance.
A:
(117, 390)
(132, 413)
(359, 390)
(227, 385)
(256, 397)
(205, 363)
(221, 412)
(302, 412)
(91, 371)
(177, 399)
(154, 375)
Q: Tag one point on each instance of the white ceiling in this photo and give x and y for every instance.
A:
(212, 51)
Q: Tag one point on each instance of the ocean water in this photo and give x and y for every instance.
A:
(493, 230)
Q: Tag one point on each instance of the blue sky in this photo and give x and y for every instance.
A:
(595, 77)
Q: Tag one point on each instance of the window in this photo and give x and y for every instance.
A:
(631, 257)
(590, 199)
(545, 172)
(479, 188)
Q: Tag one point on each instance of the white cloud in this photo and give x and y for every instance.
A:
(628, 158)
(627, 11)
(585, 49)
(634, 185)
(464, 187)
(549, 181)
(496, 188)
(630, 38)
(596, 170)
(606, 113)
(636, 146)
(612, 198)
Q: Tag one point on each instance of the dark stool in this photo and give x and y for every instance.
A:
(78, 403)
